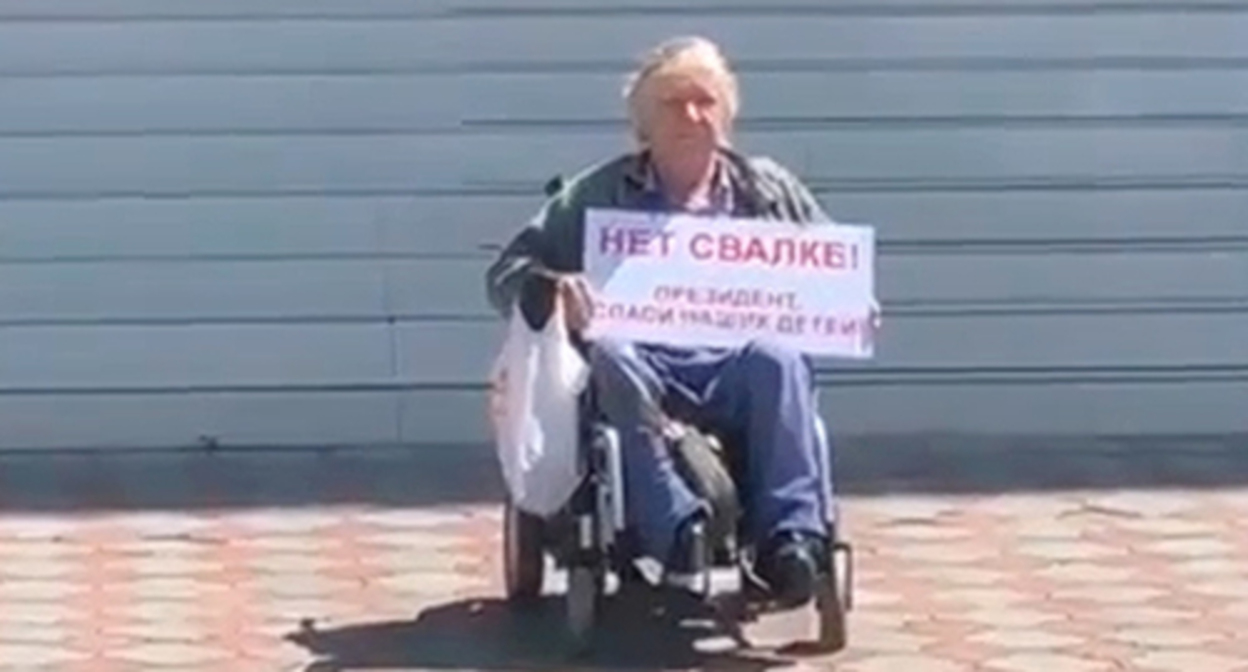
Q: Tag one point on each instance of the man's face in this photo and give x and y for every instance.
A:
(686, 113)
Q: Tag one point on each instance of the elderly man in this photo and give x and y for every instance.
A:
(682, 102)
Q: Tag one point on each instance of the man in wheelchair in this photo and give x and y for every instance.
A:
(682, 102)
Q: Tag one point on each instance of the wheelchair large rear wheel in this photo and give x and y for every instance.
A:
(524, 561)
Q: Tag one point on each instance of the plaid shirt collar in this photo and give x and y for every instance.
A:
(722, 197)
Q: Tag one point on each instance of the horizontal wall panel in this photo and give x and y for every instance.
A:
(917, 280)
(251, 226)
(1133, 276)
(455, 416)
(416, 102)
(904, 154)
(242, 104)
(259, 165)
(803, 8)
(445, 416)
(194, 9)
(326, 44)
(52, 358)
(181, 420)
(438, 287)
(1070, 410)
(1127, 215)
(432, 224)
(437, 417)
(176, 290)
(184, 165)
(302, 289)
(448, 352)
(1083, 340)
(875, 97)
(775, 36)
(146, 9)
(465, 224)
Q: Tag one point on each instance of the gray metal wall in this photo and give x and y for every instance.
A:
(263, 221)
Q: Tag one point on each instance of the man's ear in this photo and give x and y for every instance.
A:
(554, 186)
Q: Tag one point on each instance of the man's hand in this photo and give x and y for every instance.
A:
(577, 298)
(875, 320)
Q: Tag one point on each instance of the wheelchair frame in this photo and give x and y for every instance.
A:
(588, 538)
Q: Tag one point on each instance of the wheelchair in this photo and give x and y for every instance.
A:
(590, 540)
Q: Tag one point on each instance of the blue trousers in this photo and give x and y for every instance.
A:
(762, 395)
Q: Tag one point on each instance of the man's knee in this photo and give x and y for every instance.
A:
(621, 378)
(768, 361)
(608, 351)
(614, 363)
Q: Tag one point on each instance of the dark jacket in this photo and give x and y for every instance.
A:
(553, 239)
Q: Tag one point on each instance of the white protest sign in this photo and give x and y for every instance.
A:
(717, 281)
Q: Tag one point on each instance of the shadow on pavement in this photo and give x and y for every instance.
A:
(419, 476)
(489, 635)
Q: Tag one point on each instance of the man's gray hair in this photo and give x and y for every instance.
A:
(708, 55)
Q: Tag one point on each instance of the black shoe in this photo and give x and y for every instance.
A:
(792, 565)
(688, 561)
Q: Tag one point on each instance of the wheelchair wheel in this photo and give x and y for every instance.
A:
(523, 555)
(834, 602)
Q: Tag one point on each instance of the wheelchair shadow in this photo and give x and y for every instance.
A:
(488, 634)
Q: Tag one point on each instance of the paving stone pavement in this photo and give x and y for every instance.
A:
(1092, 579)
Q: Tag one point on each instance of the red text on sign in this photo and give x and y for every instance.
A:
(623, 241)
(733, 248)
(726, 319)
(731, 320)
(627, 312)
(736, 298)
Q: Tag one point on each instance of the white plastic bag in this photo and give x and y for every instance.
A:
(535, 386)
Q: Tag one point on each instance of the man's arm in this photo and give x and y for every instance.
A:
(804, 202)
(520, 274)
(515, 265)
(801, 204)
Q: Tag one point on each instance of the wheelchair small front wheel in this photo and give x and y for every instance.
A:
(834, 602)
(524, 561)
